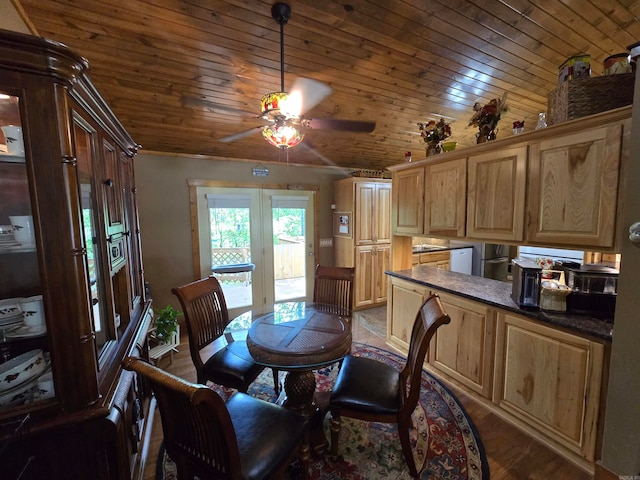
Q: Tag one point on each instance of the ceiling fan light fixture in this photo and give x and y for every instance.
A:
(272, 104)
(282, 135)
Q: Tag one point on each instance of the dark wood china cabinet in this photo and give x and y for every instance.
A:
(72, 297)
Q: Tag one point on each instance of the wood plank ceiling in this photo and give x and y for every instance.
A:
(181, 74)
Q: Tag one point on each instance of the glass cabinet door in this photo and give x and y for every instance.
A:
(25, 371)
(85, 143)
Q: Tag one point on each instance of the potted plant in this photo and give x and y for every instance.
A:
(166, 323)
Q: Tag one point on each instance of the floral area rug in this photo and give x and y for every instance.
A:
(446, 443)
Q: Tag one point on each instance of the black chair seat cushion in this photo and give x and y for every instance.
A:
(232, 366)
(367, 385)
(267, 434)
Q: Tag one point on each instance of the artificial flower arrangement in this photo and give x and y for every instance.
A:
(434, 132)
(486, 117)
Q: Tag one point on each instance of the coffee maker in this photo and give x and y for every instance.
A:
(525, 289)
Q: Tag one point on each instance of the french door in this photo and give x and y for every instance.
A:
(259, 243)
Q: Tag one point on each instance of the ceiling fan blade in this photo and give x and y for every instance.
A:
(345, 125)
(188, 101)
(308, 93)
(239, 135)
(307, 146)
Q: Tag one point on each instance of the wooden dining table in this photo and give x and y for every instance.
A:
(300, 337)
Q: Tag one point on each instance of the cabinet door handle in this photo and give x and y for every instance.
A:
(108, 182)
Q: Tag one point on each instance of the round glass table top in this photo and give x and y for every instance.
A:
(299, 335)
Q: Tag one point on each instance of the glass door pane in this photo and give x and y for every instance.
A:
(104, 331)
(288, 217)
(231, 259)
(258, 244)
(24, 341)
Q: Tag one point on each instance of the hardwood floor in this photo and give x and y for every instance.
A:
(512, 454)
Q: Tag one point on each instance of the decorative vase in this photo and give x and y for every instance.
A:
(433, 149)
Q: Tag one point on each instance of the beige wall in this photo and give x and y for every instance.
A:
(163, 204)
(10, 19)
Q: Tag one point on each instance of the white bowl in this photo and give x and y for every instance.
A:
(21, 369)
(45, 385)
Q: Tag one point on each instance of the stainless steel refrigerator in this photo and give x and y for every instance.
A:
(491, 260)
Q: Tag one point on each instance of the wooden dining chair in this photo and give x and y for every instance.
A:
(208, 438)
(333, 289)
(206, 317)
(375, 391)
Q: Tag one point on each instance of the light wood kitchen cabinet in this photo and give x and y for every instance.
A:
(407, 214)
(404, 301)
(542, 379)
(572, 188)
(446, 198)
(433, 259)
(496, 194)
(558, 186)
(371, 281)
(463, 349)
(368, 202)
(549, 380)
(372, 212)
(436, 259)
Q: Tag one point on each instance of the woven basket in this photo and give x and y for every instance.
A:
(554, 299)
(580, 98)
(371, 173)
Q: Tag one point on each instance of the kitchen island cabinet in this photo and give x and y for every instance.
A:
(550, 380)
(541, 371)
(464, 350)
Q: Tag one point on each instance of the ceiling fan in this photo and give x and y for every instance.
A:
(284, 112)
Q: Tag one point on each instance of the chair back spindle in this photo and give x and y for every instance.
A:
(333, 289)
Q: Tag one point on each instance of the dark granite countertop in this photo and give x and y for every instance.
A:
(498, 294)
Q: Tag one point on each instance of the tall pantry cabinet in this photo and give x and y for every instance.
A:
(72, 298)
(362, 235)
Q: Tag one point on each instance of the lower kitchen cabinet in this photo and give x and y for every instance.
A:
(550, 380)
(544, 380)
(370, 280)
(403, 302)
(463, 349)
(433, 259)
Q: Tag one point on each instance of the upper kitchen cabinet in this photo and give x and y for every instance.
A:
(407, 214)
(496, 194)
(446, 198)
(72, 302)
(372, 209)
(573, 185)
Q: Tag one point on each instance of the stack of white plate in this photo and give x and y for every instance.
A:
(10, 313)
(7, 237)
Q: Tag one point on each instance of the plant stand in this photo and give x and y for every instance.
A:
(160, 348)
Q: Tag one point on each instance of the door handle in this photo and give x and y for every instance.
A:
(634, 234)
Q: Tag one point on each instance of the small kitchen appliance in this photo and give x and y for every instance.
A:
(525, 289)
(594, 289)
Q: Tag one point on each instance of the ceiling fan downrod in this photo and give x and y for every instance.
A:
(281, 13)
